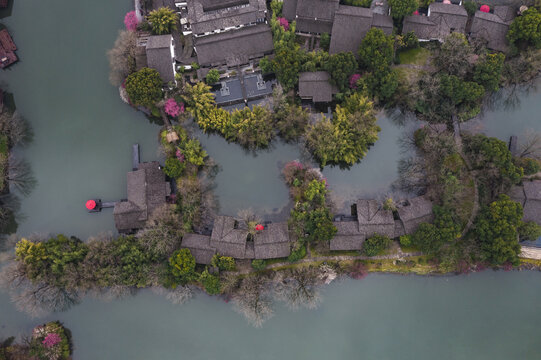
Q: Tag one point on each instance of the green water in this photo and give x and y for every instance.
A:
(82, 149)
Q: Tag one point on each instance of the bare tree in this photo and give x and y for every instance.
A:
(20, 175)
(299, 287)
(15, 127)
(122, 57)
(177, 296)
(253, 300)
(163, 232)
(531, 146)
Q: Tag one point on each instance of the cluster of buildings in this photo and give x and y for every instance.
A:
(7, 49)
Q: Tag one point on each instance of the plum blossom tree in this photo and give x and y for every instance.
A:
(130, 21)
(283, 23)
(51, 340)
(172, 108)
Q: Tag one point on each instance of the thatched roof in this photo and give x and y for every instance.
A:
(147, 190)
(315, 86)
(347, 236)
(312, 16)
(273, 242)
(235, 47)
(493, 27)
(206, 16)
(373, 219)
(416, 211)
(227, 239)
(532, 208)
(199, 246)
(160, 56)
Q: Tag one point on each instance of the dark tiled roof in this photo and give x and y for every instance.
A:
(289, 9)
(517, 194)
(199, 246)
(159, 56)
(421, 25)
(492, 28)
(226, 239)
(234, 47)
(210, 15)
(273, 242)
(373, 219)
(383, 22)
(347, 236)
(443, 19)
(450, 9)
(529, 196)
(532, 189)
(314, 16)
(147, 190)
(350, 26)
(417, 210)
(315, 86)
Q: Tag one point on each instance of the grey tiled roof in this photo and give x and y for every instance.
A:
(315, 86)
(417, 210)
(209, 15)
(159, 57)
(492, 27)
(273, 242)
(199, 246)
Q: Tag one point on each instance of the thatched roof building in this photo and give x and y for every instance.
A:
(348, 236)
(493, 27)
(351, 23)
(213, 16)
(415, 211)
(235, 47)
(442, 20)
(315, 86)
(147, 190)
(373, 219)
(227, 238)
(160, 55)
(312, 16)
(199, 246)
(273, 242)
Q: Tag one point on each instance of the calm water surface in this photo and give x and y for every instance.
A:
(82, 149)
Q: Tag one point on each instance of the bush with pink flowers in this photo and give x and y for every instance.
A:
(130, 20)
(283, 23)
(172, 108)
(353, 81)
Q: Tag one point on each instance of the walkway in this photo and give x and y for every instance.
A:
(530, 252)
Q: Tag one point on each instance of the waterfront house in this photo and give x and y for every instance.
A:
(351, 24)
(147, 190)
(493, 27)
(348, 237)
(529, 195)
(227, 238)
(160, 55)
(374, 219)
(229, 32)
(3, 3)
(316, 87)
(311, 16)
(272, 242)
(414, 212)
(7, 49)
(199, 246)
(442, 19)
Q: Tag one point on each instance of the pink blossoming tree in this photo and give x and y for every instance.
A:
(130, 20)
(172, 108)
(283, 23)
(353, 81)
(51, 340)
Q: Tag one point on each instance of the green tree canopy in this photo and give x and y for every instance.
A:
(144, 87)
(340, 67)
(376, 51)
(460, 91)
(488, 72)
(496, 230)
(375, 244)
(401, 8)
(163, 20)
(526, 28)
(212, 76)
(454, 55)
(182, 265)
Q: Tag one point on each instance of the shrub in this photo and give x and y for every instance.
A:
(297, 254)
(405, 241)
(259, 264)
(212, 76)
(144, 87)
(130, 21)
(163, 21)
(471, 7)
(530, 166)
(325, 41)
(375, 244)
(182, 265)
(210, 282)
(225, 263)
(172, 108)
(174, 168)
(529, 231)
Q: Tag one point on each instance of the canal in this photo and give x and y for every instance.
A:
(81, 150)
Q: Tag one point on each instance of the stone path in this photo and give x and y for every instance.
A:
(530, 252)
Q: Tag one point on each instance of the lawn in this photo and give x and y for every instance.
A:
(417, 56)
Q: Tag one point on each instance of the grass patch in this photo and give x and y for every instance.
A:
(413, 265)
(417, 56)
(530, 261)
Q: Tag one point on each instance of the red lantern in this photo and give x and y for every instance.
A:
(259, 227)
(90, 204)
(416, 12)
(485, 8)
